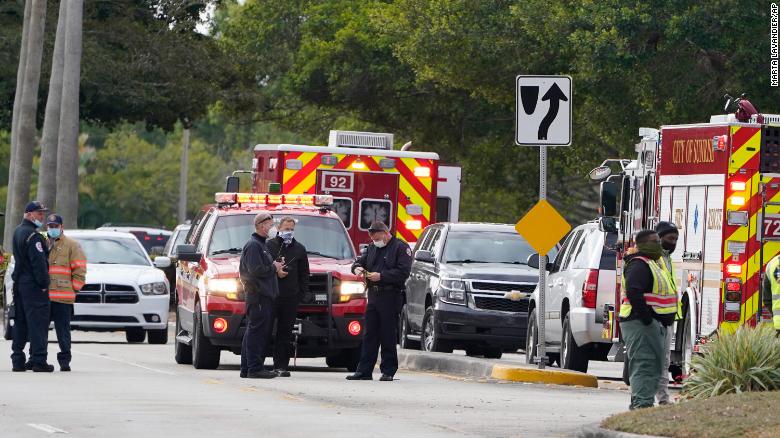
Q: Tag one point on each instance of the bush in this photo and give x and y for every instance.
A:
(747, 360)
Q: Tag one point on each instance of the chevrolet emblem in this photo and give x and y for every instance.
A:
(515, 295)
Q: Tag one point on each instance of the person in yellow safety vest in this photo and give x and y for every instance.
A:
(67, 271)
(772, 290)
(669, 234)
(647, 307)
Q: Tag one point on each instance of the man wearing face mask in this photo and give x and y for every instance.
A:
(293, 284)
(647, 308)
(67, 271)
(258, 272)
(31, 296)
(669, 234)
(387, 263)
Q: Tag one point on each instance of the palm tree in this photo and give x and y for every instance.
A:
(68, 153)
(47, 174)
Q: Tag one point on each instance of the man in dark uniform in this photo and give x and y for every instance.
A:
(293, 284)
(258, 272)
(31, 292)
(386, 263)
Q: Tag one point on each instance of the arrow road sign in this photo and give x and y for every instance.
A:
(545, 120)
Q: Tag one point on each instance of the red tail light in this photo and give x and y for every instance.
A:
(731, 316)
(354, 328)
(220, 325)
(590, 289)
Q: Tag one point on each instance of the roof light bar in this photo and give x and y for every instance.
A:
(272, 199)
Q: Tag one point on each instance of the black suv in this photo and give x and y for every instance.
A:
(469, 288)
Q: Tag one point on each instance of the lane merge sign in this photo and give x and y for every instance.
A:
(543, 110)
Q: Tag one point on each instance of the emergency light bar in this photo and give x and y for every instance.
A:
(225, 198)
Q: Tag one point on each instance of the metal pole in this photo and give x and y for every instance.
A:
(541, 348)
(183, 172)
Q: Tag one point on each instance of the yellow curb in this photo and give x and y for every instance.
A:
(555, 377)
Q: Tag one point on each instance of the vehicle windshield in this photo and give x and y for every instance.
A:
(323, 235)
(486, 247)
(113, 251)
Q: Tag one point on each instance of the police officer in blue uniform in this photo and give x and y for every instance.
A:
(386, 263)
(31, 294)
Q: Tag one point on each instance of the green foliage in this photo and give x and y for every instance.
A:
(745, 361)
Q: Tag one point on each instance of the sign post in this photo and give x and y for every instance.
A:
(542, 125)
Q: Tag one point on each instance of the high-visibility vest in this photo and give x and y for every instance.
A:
(669, 270)
(662, 299)
(771, 267)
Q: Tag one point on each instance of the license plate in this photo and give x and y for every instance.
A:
(321, 297)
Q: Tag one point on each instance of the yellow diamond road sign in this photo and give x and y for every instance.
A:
(542, 227)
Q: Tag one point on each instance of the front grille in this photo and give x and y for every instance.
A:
(87, 298)
(120, 298)
(318, 291)
(501, 304)
(103, 318)
(503, 287)
(91, 287)
(119, 288)
(107, 293)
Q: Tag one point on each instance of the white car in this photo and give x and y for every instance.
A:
(124, 290)
(580, 282)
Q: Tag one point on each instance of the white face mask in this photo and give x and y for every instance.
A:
(379, 243)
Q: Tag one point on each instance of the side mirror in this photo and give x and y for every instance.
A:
(424, 256)
(162, 262)
(232, 184)
(608, 199)
(187, 253)
(363, 248)
(608, 225)
(533, 262)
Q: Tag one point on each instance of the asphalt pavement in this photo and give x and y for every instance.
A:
(122, 390)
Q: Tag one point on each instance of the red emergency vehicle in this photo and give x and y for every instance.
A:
(369, 181)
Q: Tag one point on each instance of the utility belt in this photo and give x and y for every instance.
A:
(382, 288)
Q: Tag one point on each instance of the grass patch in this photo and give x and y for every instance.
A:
(751, 414)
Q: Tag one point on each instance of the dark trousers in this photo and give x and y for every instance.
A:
(31, 322)
(259, 322)
(381, 325)
(60, 315)
(285, 311)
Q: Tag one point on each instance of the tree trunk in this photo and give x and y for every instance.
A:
(28, 110)
(183, 172)
(68, 152)
(10, 220)
(47, 174)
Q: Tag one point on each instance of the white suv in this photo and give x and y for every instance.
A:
(580, 282)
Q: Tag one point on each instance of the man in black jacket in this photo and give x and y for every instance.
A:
(293, 283)
(258, 272)
(386, 263)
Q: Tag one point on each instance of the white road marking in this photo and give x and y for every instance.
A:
(126, 362)
(46, 428)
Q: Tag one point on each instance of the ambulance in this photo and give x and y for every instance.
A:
(368, 179)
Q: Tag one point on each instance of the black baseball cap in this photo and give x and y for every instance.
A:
(54, 219)
(665, 228)
(377, 226)
(34, 206)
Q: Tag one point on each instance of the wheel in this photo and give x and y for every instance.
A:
(205, 356)
(352, 359)
(430, 337)
(531, 339)
(403, 332)
(472, 351)
(334, 361)
(135, 335)
(572, 356)
(158, 336)
(8, 333)
(492, 353)
(182, 352)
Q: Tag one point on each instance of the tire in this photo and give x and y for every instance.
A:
(8, 333)
(182, 353)
(430, 336)
(334, 361)
(531, 339)
(135, 335)
(158, 337)
(205, 356)
(492, 353)
(572, 356)
(403, 332)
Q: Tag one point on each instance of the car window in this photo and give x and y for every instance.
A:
(575, 244)
(485, 247)
(582, 257)
(421, 241)
(434, 234)
(558, 261)
(172, 247)
(113, 251)
(231, 233)
(195, 227)
(436, 242)
(204, 234)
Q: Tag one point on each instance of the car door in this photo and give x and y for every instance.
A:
(420, 279)
(187, 277)
(555, 281)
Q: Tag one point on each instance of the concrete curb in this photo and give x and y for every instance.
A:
(490, 369)
(599, 432)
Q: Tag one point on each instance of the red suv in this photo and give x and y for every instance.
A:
(210, 311)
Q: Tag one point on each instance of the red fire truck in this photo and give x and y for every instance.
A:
(719, 183)
(369, 181)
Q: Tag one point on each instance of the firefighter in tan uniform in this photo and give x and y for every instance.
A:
(67, 270)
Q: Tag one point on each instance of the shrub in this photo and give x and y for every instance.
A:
(747, 360)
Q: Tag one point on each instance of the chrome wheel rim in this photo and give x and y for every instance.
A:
(429, 335)
(530, 343)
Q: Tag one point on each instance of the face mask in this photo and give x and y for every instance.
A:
(652, 250)
(379, 243)
(37, 223)
(287, 236)
(54, 233)
(669, 246)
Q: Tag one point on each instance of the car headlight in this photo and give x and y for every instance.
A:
(452, 291)
(153, 289)
(352, 288)
(222, 285)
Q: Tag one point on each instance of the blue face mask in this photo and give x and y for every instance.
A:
(54, 233)
(287, 236)
(37, 223)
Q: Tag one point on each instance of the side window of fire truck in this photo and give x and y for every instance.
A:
(202, 235)
(375, 210)
(194, 226)
(443, 209)
(343, 208)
